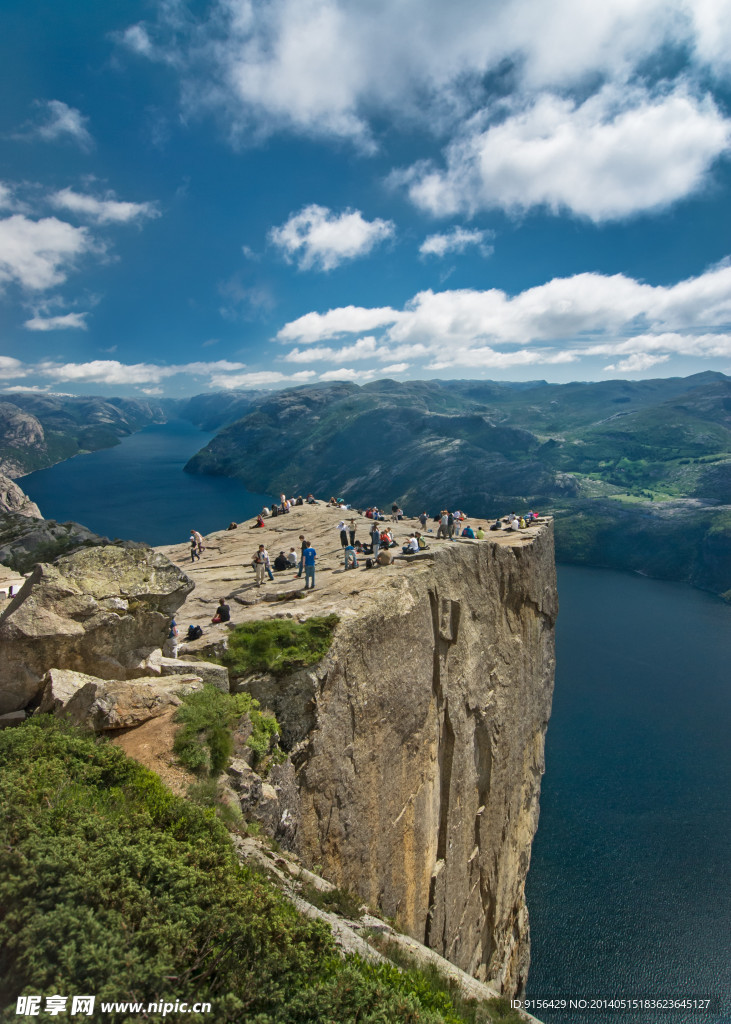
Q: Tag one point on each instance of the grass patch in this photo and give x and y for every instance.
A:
(205, 744)
(278, 645)
(335, 901)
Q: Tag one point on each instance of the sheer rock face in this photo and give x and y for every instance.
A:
(103, 611)
(418, 786)
(13, 500)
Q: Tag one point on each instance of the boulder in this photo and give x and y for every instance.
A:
(59, 686)
(103, 611)
(217, 675)
(103, 704)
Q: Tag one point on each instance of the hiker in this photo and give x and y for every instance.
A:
(480, 533)
(375, 539)
(351, 559)
(351, 530)
(292, 558)
(309, 556)
(171, 644)
(423, 520)
(497, 525)
(303, 545)
(223, 612)
(198, 541)
(443, 530)
(468, 532)
(343, 533)
(281, 562)
(411, 547)
(194, 553)
(261, 565)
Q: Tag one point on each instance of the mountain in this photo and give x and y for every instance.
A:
(39, 430)
(638, 474)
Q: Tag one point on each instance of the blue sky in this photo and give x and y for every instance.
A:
(241, 193)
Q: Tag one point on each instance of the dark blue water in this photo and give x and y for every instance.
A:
(629, 888)
(630, 884)
(138, 491)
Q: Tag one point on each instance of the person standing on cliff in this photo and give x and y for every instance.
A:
(303, 544)
(351, 531)
(198, 541)
(309, 556)
(194, 549)
(375, 539)
(343, 534)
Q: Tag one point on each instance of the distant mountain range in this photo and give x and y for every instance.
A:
(637, 473)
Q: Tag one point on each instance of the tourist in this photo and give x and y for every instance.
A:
(422, 541)
(198, 541)
(468, 532)
(384, 558)
(423, 518)
(351, 559)
(262, 565)
(309, 556)
(480, 533)
(411, 547)
(281, 562)
(497, 525)
(194, 552)
(375, 539)
(171, 647)
(292, 558)
(343, 533)
(311, 499)
(351, 530)
(450, 526)
(303, 545)
(443, 531)
(223, 612)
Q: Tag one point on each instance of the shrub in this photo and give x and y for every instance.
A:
(278, 645)
(204, 744)
(111, 885)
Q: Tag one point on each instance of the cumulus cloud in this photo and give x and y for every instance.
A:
(103, 211)
(456, 240)
(561, 321)
(618, 153)
(347, 373)
(314, 327)
(320, 239)
(40, 254)
(57, 323)
(59, 121)
(11, 369)
(637, 363)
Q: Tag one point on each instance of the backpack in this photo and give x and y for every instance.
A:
(369, 563)
(194, 633)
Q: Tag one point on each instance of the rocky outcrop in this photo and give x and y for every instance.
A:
(108, 704)
(13, 500)
(104, 611)
(21, 435)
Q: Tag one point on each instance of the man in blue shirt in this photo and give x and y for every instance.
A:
(308, 557)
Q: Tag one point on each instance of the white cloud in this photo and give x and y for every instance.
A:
(261, 379)
(103, 211)
(40, 254)
(326, 66)
(561, 321)
(313, 327)
(60, 121)
(11, 369)
(345, 373)
(322, 240)
(152, 391)
(456, 240)
(396, 368)
(618, 153)
(6, 197)
(637, 363)
(111, 371)
(57, 323)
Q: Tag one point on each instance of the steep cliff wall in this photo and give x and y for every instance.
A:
(417, 743)
(419, 783)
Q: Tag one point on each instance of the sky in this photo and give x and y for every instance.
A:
(263, 193)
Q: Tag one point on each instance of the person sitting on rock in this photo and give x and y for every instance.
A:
(384, 557)
(281, 562)
(480, 533)
(311, 499)
(468, 532)
(223, 612)
(259, 522)
(411, 547)
(292, 558)
(421, 541)
(497, 525)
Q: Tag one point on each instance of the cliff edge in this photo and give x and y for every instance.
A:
(416, 745)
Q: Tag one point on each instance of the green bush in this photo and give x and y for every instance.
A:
(204, 744)
(278, 645)
(111, 885)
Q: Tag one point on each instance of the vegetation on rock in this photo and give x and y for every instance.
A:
(278, 645)
(112, 885)
(205, 743)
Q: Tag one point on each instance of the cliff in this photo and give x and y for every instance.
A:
(417, 743)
